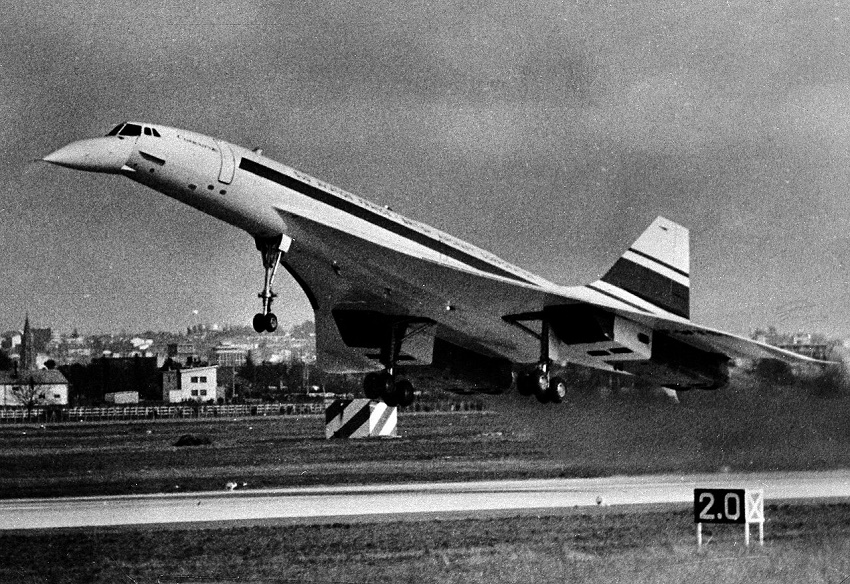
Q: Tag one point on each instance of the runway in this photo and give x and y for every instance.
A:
(380, 502)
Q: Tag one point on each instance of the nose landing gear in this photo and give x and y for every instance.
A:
(269, 249)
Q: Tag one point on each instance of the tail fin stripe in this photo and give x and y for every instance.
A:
(659, 262)
(655, 270)
(651, 286)
(657, 267)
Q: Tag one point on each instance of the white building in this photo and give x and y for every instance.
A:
(44, 387)
(121, 397)
(191, 384)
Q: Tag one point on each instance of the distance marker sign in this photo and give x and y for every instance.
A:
(719, 506)
(737, 506)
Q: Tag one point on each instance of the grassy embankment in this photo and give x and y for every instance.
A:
(733, 429)
(803, 544)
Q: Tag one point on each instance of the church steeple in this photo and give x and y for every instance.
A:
(27, 348)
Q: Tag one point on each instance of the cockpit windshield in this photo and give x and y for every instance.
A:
(132, 130)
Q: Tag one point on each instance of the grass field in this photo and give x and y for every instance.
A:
(519, 438)
(734, 430)
(806, 543)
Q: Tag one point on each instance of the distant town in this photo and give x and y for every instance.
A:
(208, 363)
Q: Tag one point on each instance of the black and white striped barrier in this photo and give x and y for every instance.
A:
(360, 418)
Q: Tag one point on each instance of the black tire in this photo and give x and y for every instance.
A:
(525, 383)
(404, 392)
(557, 390)
(259, 323)
(388, 392)
(391, 399)
(540, 383)
(372, 385)
(271, 322)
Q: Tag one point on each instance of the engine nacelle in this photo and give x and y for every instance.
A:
(462, 371)
(680, 366)
(604, 340)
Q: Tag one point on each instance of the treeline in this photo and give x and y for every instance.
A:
(280, 381)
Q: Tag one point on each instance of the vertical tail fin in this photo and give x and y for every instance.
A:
(655, 269)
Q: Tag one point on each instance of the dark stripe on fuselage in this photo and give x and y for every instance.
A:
(659, 262)
(375, 219)
(651, 286)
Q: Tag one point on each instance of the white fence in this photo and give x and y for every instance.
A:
(77, 414)
(86, 414)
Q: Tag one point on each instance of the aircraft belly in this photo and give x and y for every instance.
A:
(344, 270)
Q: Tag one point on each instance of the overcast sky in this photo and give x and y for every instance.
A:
(550, 133)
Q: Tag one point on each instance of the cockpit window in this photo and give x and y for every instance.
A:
(130, 130)
(133, 130)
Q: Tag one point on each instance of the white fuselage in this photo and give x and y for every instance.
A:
(209, 175)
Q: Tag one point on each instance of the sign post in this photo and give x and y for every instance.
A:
(736, 506)
(754, 509)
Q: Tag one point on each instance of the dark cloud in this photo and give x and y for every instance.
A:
(548, 133)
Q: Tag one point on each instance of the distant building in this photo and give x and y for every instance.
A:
(122, 397)
(814, 350)
(141, 347)
(27, 385)
(41, 339)
(75, 354)
(27, 360)
(43, 387)
(11, 339)
(191, 384)
(229, 356)
(182, 353)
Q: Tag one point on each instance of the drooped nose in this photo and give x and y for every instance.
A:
(108, 154)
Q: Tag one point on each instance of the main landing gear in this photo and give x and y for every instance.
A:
(545, 388)
(384, 385)
(540, 382)
(270, 250)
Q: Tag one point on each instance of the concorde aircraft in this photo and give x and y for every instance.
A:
(392, 295)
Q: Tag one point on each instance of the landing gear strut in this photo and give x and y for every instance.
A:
(383, 384)
(539, 382)
(271, 253)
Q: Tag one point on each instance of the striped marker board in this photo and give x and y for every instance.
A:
(360, 418)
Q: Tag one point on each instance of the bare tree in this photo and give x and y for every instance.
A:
(27, 394)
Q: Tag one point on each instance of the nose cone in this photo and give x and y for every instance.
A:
(96, 155)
